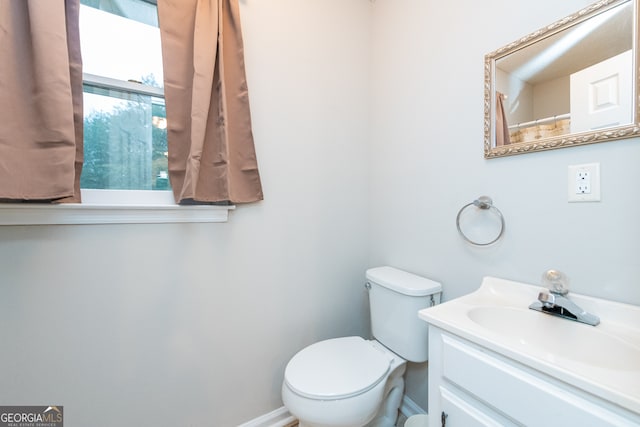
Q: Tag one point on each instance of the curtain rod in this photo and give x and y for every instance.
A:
(541, 121)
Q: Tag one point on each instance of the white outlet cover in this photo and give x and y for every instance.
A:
(573, 184)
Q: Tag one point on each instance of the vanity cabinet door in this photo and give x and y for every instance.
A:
(475, 386)
(458, 411)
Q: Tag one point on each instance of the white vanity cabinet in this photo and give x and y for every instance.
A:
(470, 385)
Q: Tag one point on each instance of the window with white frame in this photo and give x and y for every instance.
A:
(125, 173)
(125, 136)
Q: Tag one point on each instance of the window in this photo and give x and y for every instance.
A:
(125, 136)
(125, 174)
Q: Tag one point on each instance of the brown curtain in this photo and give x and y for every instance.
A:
(211, 152)
(40, 100)
(502, 127)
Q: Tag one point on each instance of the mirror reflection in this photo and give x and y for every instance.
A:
(570, 83)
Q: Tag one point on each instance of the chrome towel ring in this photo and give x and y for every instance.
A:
(483, 203)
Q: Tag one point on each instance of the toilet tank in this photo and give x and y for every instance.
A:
(395, 297)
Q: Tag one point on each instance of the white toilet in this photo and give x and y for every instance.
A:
(351, 382)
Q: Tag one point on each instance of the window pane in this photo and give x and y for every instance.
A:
(125, 141)
(117, 40)
(145, 11)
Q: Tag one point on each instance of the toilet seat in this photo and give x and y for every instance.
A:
(336, 369)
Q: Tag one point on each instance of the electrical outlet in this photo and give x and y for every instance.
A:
(584, 183)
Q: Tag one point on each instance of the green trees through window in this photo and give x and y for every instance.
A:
(125, 136)
(125, 141)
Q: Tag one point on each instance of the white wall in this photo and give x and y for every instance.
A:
(427, 162)
(192, 325)
(552, 98)
(519, 105)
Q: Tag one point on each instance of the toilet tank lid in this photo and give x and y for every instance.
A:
(402, 281)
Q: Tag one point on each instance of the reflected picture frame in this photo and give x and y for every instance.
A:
(629, 130)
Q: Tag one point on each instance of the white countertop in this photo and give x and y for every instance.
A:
(603, 360)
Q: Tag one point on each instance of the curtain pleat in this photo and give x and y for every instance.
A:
(211, 150)
(40, 100)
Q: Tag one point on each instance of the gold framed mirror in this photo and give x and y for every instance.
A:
(570, 83)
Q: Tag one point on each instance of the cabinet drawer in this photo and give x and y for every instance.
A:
(518, 393)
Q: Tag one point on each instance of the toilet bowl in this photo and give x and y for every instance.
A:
(343, 382)
(352, 382)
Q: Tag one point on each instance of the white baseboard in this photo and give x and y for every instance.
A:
(281, 416)
(278, 418)
(408, 407)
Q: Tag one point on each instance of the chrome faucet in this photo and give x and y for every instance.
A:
(555, 302)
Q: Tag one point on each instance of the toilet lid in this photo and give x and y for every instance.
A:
(336, 368)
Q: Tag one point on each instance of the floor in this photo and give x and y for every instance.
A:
(401, 420)
(399, 423)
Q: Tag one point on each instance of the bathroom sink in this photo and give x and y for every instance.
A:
(603, 360)
(558, 338)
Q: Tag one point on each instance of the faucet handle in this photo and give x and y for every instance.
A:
(556, 281)
(547, 299)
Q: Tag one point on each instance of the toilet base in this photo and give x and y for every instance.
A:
(388, 413)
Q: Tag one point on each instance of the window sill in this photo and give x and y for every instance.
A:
(112, 207)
